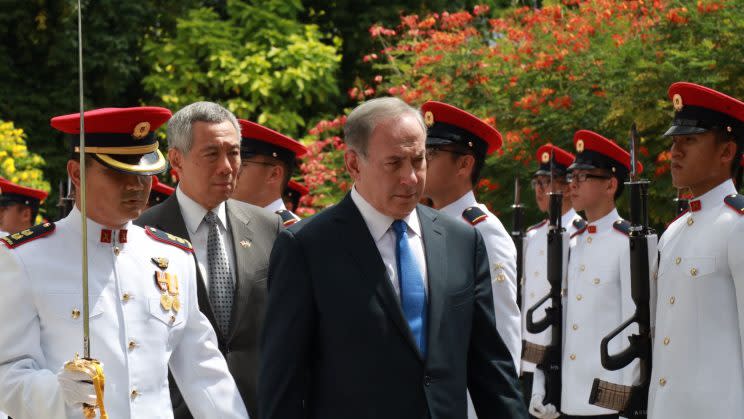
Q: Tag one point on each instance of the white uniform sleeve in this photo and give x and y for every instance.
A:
(200, 369)
(736, 265)
(27, 389)
(502, 257)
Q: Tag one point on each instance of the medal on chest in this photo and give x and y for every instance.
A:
(167, 283)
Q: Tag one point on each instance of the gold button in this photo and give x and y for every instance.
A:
(662, 382)
(672, 300)
(172, 318)
(75, 313)
(582, 268)
(500, 278)
(134, 394)
(573, 357)
(677, 260)
(132, 344)
(693, 272)
(596, 281)
(575, 326)
(498, 265)
(656, 275)
(579, 297)
(542, 252)
(126, 297)
(116, 251)
(666, 340)
(589, 239)
(537, 273)
(690, 221)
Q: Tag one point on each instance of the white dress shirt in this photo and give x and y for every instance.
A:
(276, 205)
(380, 227)
(698, 370)
(193, 216)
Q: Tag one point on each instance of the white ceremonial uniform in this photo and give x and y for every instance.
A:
(535, 283)
(699, 315)
(278, 205)
(598, 299)
(131, 334)
(502, 258)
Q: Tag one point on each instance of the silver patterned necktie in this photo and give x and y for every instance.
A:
(220, 277)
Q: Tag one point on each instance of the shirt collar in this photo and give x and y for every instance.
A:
(379, 223)
(455, 209)
(715, 196)
(94, 229)
(193, 213)
(605, 223)
(276, 205)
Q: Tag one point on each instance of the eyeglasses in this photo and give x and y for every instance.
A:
(540, 183)
(431, 152)
(582, 177)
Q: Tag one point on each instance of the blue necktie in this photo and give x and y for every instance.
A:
(412, 293)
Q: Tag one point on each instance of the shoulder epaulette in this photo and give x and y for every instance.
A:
(538, 225)
(735, 202)
(474, 215)
(287, 217)
(622, 226)
(167, 238)
(579, 223)
(16, 239)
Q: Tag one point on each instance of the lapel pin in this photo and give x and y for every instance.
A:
(245, 243)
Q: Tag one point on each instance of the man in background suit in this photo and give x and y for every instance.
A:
(379, 307)
(232, 240)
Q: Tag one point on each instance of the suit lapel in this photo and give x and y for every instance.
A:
(364, 252)
(242, 237)
(436, 267)
(172, 222)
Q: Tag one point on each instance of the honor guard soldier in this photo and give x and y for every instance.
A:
(159, 192)
(293, 193)
(699, 312)
(551, 173)
(456, 147)
(268, 159)
(144, 315)
(19, 206)
(597, 292)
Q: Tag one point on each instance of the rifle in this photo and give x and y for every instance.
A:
(548, 358)
(517, 234)
(683, 204)
(66, 199)
(632, 401)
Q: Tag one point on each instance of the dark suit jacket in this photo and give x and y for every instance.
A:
(257, 229)
(336, 344)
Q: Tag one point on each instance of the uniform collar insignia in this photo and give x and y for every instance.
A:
(161, 263)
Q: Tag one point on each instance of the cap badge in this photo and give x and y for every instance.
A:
(141, 130)
(429, 118)
(580, 146)
(545, 157)
(677, 102)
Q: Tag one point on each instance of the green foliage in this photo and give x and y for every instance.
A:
(539, 76)
(18, 164)
(258, 61)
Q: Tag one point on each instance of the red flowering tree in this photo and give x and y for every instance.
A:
(540, 75)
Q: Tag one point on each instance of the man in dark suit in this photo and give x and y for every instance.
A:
(232, 240)
(379, 308)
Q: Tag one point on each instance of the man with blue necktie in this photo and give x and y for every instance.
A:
(379, 307)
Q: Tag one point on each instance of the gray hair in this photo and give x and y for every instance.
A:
(365, 117)
(180, 124)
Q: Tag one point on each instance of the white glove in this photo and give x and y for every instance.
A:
(542, 411)
(76, 387)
